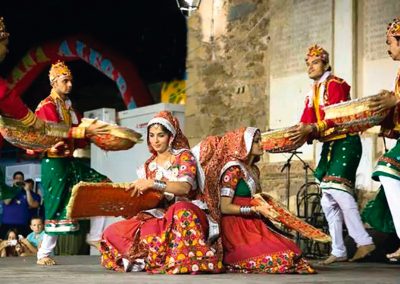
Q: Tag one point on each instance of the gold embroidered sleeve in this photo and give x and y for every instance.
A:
(29, 119)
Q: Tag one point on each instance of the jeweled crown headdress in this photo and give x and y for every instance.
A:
(393, 28)
(59, 69)
(317, 51)
(3, 33)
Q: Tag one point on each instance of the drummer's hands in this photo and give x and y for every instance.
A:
(95, 129)
(139, 186)
(386, 101)
(266, 210)
(39, 124)
(300, 133)
(60, 147)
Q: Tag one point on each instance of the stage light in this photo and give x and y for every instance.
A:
(187, 7)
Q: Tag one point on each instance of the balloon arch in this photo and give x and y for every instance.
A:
(131, 87)
(132, 90)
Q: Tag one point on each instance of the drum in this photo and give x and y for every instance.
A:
(108, 199)
(276, 141)
(28, 138)
(119, 138)
(291, 221)
(355, 115)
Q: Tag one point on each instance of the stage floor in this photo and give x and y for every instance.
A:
(86, 269)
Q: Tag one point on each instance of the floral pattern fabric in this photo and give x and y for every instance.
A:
(183, 168)
(171, 239)
(231, 177)
(182, 247)
(254, 248)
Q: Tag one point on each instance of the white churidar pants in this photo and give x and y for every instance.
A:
(49, 242)
(392, 192)
(339, 207)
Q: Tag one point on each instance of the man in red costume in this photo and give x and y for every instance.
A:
(340, 156)
(60, 170)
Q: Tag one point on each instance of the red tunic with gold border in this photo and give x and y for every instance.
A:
(54, 109)
(327, 91)
(60, 171)
(341, 153)
(12, 106)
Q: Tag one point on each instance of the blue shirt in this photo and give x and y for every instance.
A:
(35, 239)
(18, 212)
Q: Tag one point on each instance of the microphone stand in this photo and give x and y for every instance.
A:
(287, 166)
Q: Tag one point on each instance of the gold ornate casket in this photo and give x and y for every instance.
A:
(355, 115)
(291, 221)
(29, 138)
(277, 141)
(118, 138)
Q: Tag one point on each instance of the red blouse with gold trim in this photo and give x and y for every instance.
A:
(331, 90)
(54, 109)
(12, 106)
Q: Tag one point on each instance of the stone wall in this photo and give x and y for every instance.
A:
(245, 68)
(228, 73)
(228, 80)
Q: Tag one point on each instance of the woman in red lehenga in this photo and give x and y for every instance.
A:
(232, 178)
(171, 239)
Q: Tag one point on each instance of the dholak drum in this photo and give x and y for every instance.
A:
(29, 138)
(277, 141)
(118, 138)
(355, 115)
(108, 199)
(290, 220)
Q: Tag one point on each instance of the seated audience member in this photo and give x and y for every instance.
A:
(32, 242)
(12, 246)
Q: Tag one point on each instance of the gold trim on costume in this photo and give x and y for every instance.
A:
(3, 33)
(334, 185)
(316, 102)
(29, 119)
(78, 132)
(59, 69)
(386, 169)
(60, 103)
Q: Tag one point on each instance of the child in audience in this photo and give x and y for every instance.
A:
(33, 240)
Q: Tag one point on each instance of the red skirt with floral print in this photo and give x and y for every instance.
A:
(173, 244)
(251, 247)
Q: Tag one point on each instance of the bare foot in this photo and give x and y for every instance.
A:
(362, 251)
(46, 261)
(95, 244)
(331, 259)
(394, 255)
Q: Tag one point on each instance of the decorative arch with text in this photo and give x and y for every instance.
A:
(131, 87)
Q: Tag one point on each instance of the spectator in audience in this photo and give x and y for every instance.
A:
(12, 246)
(37, 199)
(33, 241)
(16, 212)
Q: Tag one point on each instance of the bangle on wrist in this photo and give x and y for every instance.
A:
(159, 185)
(245, 210)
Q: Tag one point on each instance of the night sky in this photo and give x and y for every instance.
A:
(151, 34)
